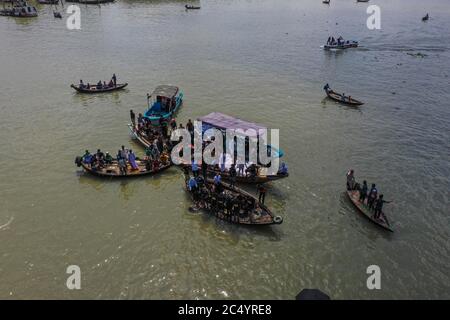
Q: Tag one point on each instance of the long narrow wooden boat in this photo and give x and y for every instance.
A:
(188, 7)
(383, 222)
(90, 1)
(48, 1)
(339, 98)
(93, 88)
(343, 45)
(248, 211)
(112, 170)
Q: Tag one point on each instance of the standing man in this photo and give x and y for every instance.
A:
(194, 167)
(350, 180)
(233, 174)
(204, 169)
(262, 193)
(114, 79)
(133, 118)
(363, 192)
(372, 196)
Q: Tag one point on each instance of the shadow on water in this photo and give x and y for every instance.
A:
(327, 101)
(359, 222)
(127, 184)
(87, 99)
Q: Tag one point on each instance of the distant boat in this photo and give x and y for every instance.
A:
(112, 170)
(57, 15)
(90, 1)
(93, 88)
(20, 10)
(426, 18)
(48, 1)
(326, 1)
(345, 44)
(188, 7)
(362, 0)
(341, 98)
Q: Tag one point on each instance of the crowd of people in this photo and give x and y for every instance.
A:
(333, 42)
(368, 197)
(126, 159)
(100, 85)
(214, 196)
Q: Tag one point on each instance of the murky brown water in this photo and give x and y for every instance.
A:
(259, 60)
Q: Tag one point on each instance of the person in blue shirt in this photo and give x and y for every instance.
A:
(195, 168)
(87, 157)
(192, 184)
(217, 179)
(372, 196)
(283, 169)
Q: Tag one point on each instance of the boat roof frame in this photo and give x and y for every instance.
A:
(166, 91)
(223, 122)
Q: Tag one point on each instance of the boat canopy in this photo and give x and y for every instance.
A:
(166, 91)
(222, 121)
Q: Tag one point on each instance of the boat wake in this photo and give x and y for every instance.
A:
(6, 225)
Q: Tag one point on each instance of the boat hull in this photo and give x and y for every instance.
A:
(94, 90)
(338, 98)
(113, 171)
(354, 198)
(263, 216)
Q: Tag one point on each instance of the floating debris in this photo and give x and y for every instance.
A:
(417, 55)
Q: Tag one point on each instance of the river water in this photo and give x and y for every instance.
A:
(259, 60)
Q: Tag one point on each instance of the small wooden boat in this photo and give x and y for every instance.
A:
(345, 44)
(362, 0)
(48, 1)
(164, 101)
(426, 18)
(188, 7)
(231, 204)
(348, 100)
(20, 10)
(93, 88)
(113, 171)
(146, 141)
(383, 222)
(93, 2)
(326, 1)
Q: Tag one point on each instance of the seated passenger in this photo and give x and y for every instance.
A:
(283, 169)
(87, 157)
(108, 158)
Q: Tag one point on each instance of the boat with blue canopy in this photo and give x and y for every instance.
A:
(163, 102)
